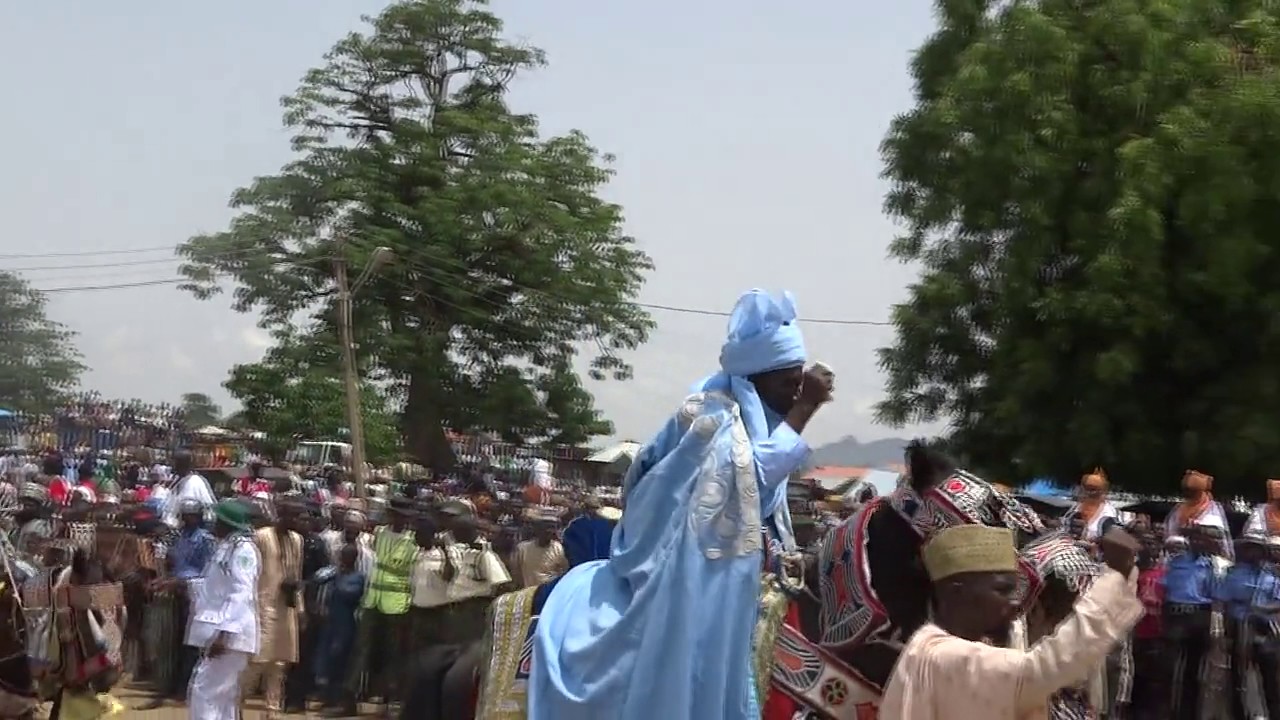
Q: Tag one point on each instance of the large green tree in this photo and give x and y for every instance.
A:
(199, 410)
(39, 362)
(293, 394)
(1091, 191)
(506, 259)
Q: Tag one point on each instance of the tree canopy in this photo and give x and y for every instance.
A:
(1090, 190)
(39, 362)
(506, 260)
(199, 410)
(288, 396)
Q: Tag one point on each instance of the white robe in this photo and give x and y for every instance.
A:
(1257, 522)
(1093, 530)
(1213, 516)
(191, 487)
(214, 691)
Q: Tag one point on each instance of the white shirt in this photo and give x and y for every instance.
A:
(335, 539)
(1093, 531)
(478, 573)
(225, 600)
(1211, 516)
(191, 487)
(1257, 522)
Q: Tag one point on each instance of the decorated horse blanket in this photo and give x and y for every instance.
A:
(798, 679)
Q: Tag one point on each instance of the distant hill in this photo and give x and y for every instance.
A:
(849, 452)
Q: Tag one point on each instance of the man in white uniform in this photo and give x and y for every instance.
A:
(224, 616)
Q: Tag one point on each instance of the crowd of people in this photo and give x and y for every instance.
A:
(89, 423)
(1211, 603)
(329, 576)
(320, 601)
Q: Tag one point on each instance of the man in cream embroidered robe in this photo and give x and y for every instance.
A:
(279, 609)
(943, 677)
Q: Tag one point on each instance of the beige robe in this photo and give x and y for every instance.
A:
(536, 564)
(277, 622)
(942, 677)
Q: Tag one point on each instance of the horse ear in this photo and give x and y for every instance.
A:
(926, 464)
(916, 457)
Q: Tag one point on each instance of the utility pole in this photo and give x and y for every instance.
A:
(355, 421)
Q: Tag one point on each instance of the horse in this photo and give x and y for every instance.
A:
(73, 615)
(867, 588)
(18, 697)
(453, 682)
(875, 590)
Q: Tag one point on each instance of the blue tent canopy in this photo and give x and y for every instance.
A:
(5, 414)
(1044, 487)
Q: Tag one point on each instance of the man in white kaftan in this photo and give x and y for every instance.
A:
(946, 672)
(1092, 511)
(1265, 518)
(1198, 508)
(224, 617)
(189, 486)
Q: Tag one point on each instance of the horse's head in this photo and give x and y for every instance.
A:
(873, 579)
(926, 466)
(1062, 570)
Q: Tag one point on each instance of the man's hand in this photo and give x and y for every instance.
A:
(1119, 550)
(819, 384)
(218, 646)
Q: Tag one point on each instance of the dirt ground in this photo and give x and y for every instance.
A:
(134, 696)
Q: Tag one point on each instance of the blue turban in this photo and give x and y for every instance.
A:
(587, 538)
(763, 335)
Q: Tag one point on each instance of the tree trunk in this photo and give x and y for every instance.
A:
(423, 424)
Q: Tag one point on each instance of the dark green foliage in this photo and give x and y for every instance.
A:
(290, 397)
(506, 258)
(1092, 192)
(39, 361)
(199, 410)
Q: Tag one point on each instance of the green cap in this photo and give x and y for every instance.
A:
(232, 513)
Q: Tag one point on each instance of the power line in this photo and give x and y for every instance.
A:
(117, 286)
(236, 253)
(530, 290)
(809, 321)
(130, 263)
(87, 253)
(121, 286)
(648, 306)
(80, 278)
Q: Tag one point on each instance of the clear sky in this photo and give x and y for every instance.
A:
(746, 131)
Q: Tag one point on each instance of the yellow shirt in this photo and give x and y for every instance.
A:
(393, 555)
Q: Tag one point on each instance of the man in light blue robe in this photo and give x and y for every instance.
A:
(663, 628)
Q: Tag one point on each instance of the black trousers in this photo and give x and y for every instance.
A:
(1186, 629)
(186, 657)
(300, 681)
(1152, 672)
(381, 649)
(1256, 645)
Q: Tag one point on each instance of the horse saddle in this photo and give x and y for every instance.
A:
(827, 688)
